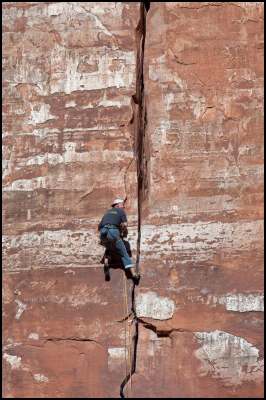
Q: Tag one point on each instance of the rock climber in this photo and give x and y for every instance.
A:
(112, 228)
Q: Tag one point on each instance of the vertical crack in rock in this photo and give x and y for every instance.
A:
(141, 148)
(139, 119)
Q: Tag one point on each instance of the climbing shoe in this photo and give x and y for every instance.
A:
(106, 269)
(134, 273)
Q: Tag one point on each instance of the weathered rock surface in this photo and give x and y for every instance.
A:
(69, 76)
(184, 142)
(67, 135)
(62, 333)
(202, 227)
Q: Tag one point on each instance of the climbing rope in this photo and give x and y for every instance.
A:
(125, 331)
(127, 334)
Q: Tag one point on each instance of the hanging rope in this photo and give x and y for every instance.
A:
(127, 334)
(125, 331)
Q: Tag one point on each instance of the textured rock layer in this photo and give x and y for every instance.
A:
(202, 227)
(68, 142)
(161, 103)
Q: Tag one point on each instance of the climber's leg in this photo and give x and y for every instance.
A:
(114, 234)
(106, 268)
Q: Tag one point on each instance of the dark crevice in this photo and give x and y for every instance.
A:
(125, 318)
(139, 121)
(71, 339)
(161, 332)
(146, 5)
(76, 339)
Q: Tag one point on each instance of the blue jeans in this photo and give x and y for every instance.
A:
(113, 234)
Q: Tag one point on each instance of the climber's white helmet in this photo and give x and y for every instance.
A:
(117, 201)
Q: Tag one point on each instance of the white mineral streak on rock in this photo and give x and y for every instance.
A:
(70, 155)
(53, 238)
(116, 352)
(32, 74)
(40, 378)
(168, 100)
(11, 344)
(189, 4)
(70, 103)
(228, 357)
(241, 302)
(116, 356)
(151, 305)
(28, 215)
(71, 79)
(21, 308)
(56, 247)
(251, 3)
(62, 247)
(26, 184)
(125, 101)
(14, 361)
(99, 24)
(54, 9)
(204, 237)
(41, 115)
(33, 336)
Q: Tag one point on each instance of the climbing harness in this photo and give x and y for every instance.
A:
(111, 241)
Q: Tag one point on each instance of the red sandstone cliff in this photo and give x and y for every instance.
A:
(161, 103)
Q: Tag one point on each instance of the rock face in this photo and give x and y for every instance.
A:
(201, 293)
(161, 103)
(69, 78)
